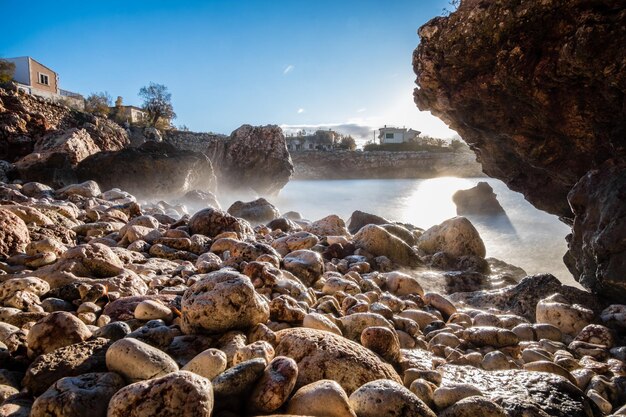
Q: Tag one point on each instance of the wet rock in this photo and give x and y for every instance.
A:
(152, 169)
(323, 355)
(257, 211)
(307, 265)
(176, 394)
(379, 242)
(73, 360)
(13, 234)
(520, 391)
(56, 330)
(478, 200)
(137, 361)
(212, 222)
(275, 386)
(385, 398)
(456, 237)
(321, 398)
(87, 394)
(220, 301)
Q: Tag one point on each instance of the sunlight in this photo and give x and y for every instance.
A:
(431, 203)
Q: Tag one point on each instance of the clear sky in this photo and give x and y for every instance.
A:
(288, 62)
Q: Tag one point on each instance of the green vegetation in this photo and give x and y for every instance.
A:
(420, 144)
(157, 102)
(98, 103)
(7, 70)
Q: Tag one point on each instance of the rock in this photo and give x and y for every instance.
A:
(490, 336)
(382, 341)
(456, 237)
(323, 398)
(522, 299)
(201, 198)
(137, 361)
(479, 200)
(209, 364)
(180, 393)
(307, 265)
(358, 219)
(523, 392)
(294, 242)
(254, 156)
(328, 226)
(85, 189)
(17, 405)
(275, 386)
(323, 355)
(446, 396)
(569, 319)
(257, 211)
(614, 316)
(379, 242)
(385, 398)
(237, 382)
(212, 222)
(13, 234)
(56, 330)
(596, 254)
(320, 322)
(474, 407)
(596, 334)
(220, 301)
(72, 360)
(153, 310)
(284, 224)
(152, 170)
(87, 394)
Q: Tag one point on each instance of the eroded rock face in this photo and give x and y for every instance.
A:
(479, 200)
(536, 89)
(153, 169)
(255, 157)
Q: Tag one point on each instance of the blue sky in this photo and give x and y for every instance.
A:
(293, 63)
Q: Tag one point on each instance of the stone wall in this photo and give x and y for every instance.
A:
(358, 164)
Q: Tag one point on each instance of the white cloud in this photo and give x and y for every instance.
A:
(288, 69)
(361, 110)
(300, 110)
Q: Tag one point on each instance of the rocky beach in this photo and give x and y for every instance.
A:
(127, 290)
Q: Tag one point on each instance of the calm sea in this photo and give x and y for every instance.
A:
(527, 237)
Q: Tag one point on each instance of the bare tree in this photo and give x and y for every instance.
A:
(98, 103)
(157, 102)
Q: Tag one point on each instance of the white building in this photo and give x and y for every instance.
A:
(397, 135)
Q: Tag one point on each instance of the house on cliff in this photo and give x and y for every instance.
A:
(34, 78)
(130, 114)
(397, 135)
(322, 140)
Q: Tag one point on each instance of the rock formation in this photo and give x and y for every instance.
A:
(154, 169)
(479, 200)
(537, 91)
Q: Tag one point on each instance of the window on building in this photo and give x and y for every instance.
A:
(310, 146)
(43, 79)
(388, 135)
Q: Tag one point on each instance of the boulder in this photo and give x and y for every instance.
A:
(332, 225)
(56, 330)
(13, 234)
(359, 219)
(257, 211)
(180, 393)
(384, 398)
(379, 242)
(321, 398)
(323, 355)
(136, 360)
(456, 237)
(221, 301)
(78, 396)
(307, 265)
(253, 156)
(211, 222)
(154, 169)
(479, 200)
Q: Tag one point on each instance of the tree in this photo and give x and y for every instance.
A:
(456, 145)
(347, 142)
(157, 102)
(98, 103)
(7, 70)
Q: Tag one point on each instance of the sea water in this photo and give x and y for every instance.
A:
(525, 237)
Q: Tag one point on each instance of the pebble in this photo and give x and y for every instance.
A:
(137, 361)
(208, 364)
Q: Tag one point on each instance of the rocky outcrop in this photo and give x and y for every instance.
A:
(37, 128)
(479, 200)
(153, 169)
(537, 91)
(356, 165)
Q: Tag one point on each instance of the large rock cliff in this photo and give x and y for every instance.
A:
(537, 89)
